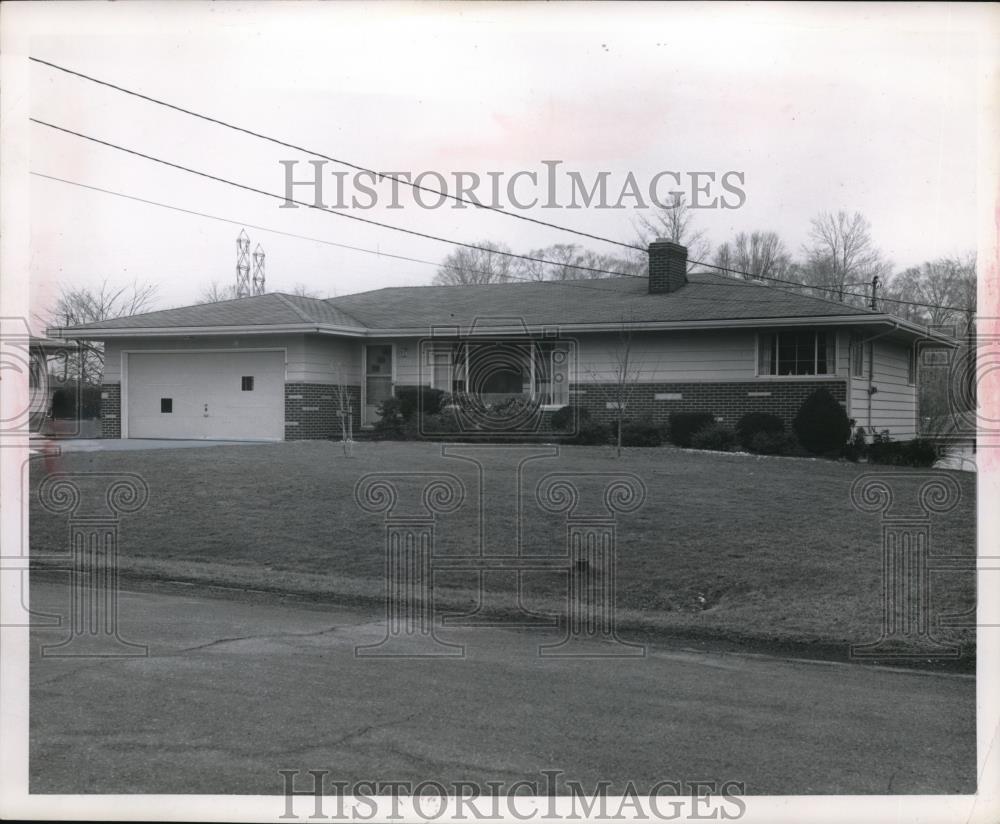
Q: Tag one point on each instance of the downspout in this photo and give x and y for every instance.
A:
(871, 365)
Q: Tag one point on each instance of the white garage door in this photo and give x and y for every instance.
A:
(226, 395)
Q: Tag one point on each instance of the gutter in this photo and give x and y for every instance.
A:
(476, 329)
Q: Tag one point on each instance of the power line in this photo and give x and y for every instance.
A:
(377, 252)
(573, 284)
(324, 210)
(838, 290)
(379, 175)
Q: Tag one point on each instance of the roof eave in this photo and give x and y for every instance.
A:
(97, 333)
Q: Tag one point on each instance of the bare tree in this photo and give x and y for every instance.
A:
(676, 223)
(841, 256)
(761, 255)
(624, 374)
(946, 285)
(304, 291)
(78, 305)
(214, 293)
(342, 394)
(570, 261)
(476, 266)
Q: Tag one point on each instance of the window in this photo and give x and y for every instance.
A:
(246, 383)
(446, 367)
(860, 356)
(796, 353)
(911, 366)
(166, 405)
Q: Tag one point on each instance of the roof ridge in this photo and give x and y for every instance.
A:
(284, 299)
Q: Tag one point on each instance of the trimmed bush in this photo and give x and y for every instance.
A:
(423, 398)
(918, 452)
(857, 448)
(641, 433)
(822, 425)
(755, 423)
(443, 423)
(715, 436)
(391, 425)
(683, 425)
(563, 418)
(591, 433)
(770, 443)
(72, 400)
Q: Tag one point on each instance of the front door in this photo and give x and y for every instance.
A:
(378, 380)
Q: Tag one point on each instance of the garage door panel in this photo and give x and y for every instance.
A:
(224, 395)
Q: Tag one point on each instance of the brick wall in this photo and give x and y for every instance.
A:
(729, 401)
(111, 410)
(312, 411)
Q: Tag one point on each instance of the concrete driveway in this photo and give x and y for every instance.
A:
(127, 445)
(233, 691)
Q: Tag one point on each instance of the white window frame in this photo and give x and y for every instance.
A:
(832, 364)
(860, 348)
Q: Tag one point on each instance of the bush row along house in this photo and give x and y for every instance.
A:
(268, 367)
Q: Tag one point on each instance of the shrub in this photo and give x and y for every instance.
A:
(391, 424)
(564, 418)
(771, 443)
(822, 425)
(76, 400)
(683, 425)
(423, 398)
(715, 436)
(641, 433)
(857, 447)
(443, 423)
(591, 433)
(755, 423)
(918, 452)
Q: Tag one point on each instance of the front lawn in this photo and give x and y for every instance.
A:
(731, 545)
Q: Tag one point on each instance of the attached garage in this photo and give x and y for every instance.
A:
(218, 395)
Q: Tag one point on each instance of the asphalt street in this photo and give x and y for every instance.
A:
(232, 690)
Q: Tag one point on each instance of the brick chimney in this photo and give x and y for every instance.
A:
(667, 266)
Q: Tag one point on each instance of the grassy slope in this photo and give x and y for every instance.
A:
(767, 548)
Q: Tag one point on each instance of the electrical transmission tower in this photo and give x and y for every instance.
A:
(243, 265)
(258, 271)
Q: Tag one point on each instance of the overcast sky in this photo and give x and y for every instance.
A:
(870, 108)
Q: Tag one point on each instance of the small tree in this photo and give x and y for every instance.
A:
(342, 394)
(625, 375)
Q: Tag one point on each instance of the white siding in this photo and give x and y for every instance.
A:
(893, 407)
(308, 358)
(683, 357)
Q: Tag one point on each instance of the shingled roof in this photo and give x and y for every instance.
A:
(272, 309)
(706, 297)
